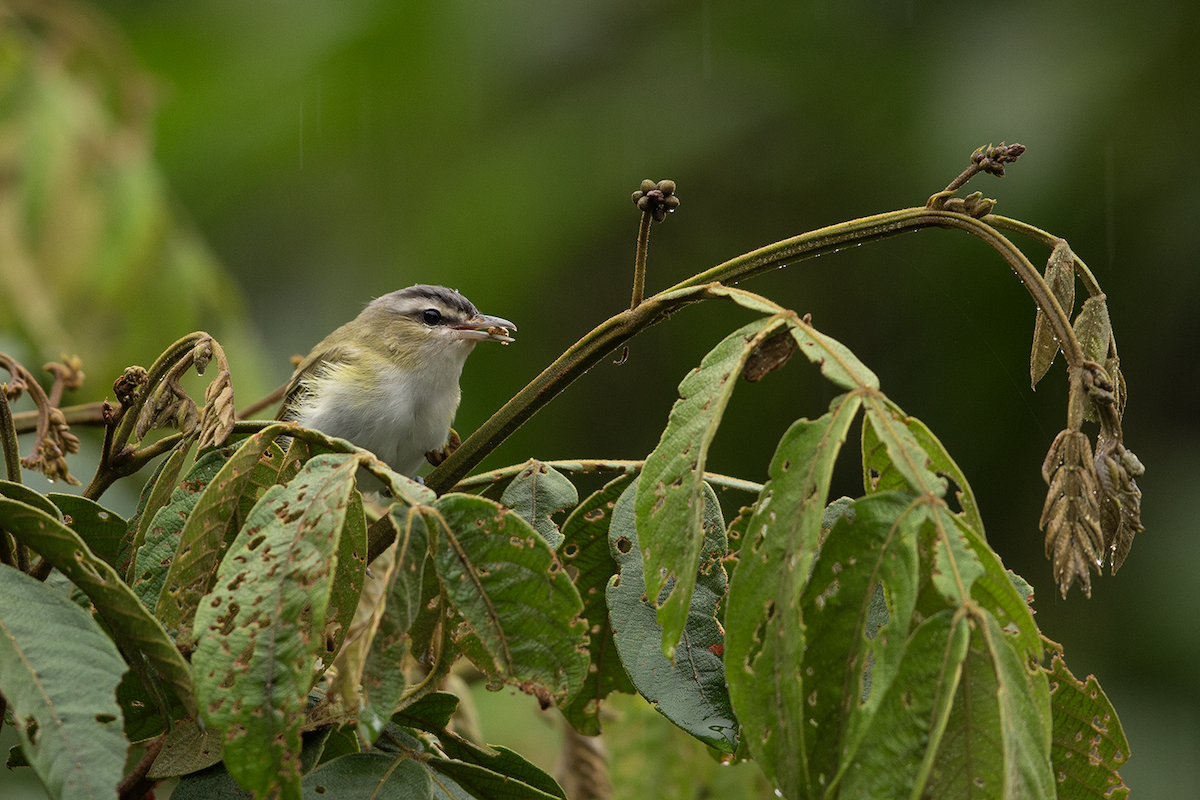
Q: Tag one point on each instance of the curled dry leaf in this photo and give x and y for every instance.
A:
(1071, 516)
(216, 423)
(770, 355)
(1116, 467)
(1060, 277)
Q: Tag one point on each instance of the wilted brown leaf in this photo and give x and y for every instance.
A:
(1071, 515)
(1060, 277)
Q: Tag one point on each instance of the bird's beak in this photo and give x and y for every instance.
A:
(486, 328)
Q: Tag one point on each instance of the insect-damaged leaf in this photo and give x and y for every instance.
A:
(997, 737)
(765, 640)
(690, 690)
(202, 539)
(158, 541)
(1060, 277)
(669, 496)
(260, 628)
(1088, 745)
(60, 674)
(585, 551)
(886, 426)
(521, 613)
(857, 609)
(536, 493)
(880, 475)
(134, 629)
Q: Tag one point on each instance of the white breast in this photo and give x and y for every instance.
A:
(400, 417)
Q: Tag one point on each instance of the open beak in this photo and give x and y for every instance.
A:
(486, 328)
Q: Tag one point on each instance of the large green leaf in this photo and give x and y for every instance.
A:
(158, 542)
(997, 738)
(1088, 745)
(586, 554)
(766, 639)
(538, 492)
(382, 669)
(202, 539)
(59, 674)
(857, 609)
(516, 601)
(260, 628)
(912, 714)
(670, 491)
(133, 627)
(689, 689)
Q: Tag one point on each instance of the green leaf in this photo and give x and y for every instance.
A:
(103, 530)
(59, 674)
(185, 750)
(260, 628)
(214, 783)
(1093, 328)
(690, 690)
(895, 449)
(996, 742)
(457, 779)
(586, 554)
(382, 681)
(369, 776)
(202, 539)
(431, 713)
(521, 613)
(134, 629)
(1060, 277)
(348, 579)
(159, 542)
(766, 636)
(537, 493)
(857, 609)
(912, 715)
(1088, 745)
(31, 497)
(885, 478)
(155, 494)
(670, 491)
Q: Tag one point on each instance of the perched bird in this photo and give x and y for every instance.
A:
(388, 380)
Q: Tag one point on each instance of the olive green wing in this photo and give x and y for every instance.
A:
(321, 355)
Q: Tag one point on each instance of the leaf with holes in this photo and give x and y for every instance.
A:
(538, 492)
(1088, 745)
(382, 674)
(857, 609)
(160, 540)
(59, 673)
(765, 631)
(521, 615)
(586, 555)
(669, 497)
(134, 629)
(892, 758)
(880, 475)
(155, 494)
(260, 628)
(997, 737)
(896, 456)
(690, 691)
(202, 540)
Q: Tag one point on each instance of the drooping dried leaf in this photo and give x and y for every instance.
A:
(1060, 277)
(1071, 514)
(770, 355)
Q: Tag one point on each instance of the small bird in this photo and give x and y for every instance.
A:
(388, 380)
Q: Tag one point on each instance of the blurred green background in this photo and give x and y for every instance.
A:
(262, 169)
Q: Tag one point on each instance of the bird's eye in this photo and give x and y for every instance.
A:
(431, 316)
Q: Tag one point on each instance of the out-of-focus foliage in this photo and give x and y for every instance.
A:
(96, 259)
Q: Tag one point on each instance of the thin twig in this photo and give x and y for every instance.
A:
(639, 261)
(270, 400)
(8, 438)
(135, 785)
